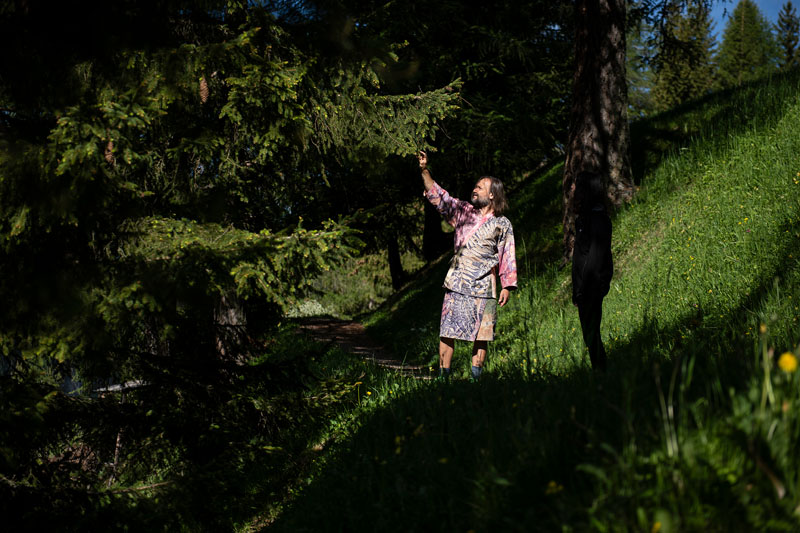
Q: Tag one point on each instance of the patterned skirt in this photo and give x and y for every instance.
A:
(468, 318)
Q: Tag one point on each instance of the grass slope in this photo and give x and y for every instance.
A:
(694, 427)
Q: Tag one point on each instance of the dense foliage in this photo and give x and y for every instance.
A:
(748, 50)
(788, 28)
(686, 57)
(165, 193)
(176, 175)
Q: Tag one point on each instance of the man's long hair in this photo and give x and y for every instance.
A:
(498, 200)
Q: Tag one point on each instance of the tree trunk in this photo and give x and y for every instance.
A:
(395, 265)
(434, 240)
(599, 135)
(230, 321)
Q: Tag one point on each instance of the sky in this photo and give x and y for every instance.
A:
(769, 8)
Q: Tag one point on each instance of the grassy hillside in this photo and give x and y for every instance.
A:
(696, 424)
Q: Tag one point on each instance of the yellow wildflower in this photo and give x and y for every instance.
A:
(788, 362)
(553, 488)
(656, 527)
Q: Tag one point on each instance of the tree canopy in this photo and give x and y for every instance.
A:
(686, 69)
(132, 155)
(748, 50)
(788, 28)
(165, 182)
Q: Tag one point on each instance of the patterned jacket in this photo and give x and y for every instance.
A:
(484, 246)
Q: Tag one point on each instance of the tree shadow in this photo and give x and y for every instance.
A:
(511, 452)
(535, 453)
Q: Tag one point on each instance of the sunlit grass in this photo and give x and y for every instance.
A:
(696, 424)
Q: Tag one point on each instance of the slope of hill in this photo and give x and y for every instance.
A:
(697, 422)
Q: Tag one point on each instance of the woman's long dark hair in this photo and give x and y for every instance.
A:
(589, 191)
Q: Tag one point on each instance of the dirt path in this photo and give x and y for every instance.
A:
(352, 337)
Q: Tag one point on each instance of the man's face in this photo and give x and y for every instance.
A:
(480, 194)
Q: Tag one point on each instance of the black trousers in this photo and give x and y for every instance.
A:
(591, 313)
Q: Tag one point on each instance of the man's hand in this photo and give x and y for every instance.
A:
(427, 179)
(423, 160)
(503, 300)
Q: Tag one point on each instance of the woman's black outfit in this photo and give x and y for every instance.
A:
(592, 269)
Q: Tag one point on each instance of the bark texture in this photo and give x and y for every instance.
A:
(599, 135)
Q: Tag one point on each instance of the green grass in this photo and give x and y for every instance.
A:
(694, 427)
(361, 283)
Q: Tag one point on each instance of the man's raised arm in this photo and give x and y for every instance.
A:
(448, 207)
(427, 179)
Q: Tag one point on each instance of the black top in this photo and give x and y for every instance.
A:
(592, 266)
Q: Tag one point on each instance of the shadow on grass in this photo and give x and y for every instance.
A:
(541, 452)
(517, 452)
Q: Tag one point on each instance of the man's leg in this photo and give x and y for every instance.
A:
(446, 347)
(479, 349)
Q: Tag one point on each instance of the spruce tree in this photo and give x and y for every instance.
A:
(156, 163)
(788, 27)
(748, 50)
(599, 133)
(685, 60)
(638, 70)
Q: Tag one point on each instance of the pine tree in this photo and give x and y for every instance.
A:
(788, 28)
(154, 177)
(685, 61)
(638, 70)
(748, 50)
(514, 58)
(599, 133)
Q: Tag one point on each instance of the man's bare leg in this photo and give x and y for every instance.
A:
(445, 351)
(446, 347)
(479, 349)
(479, 352)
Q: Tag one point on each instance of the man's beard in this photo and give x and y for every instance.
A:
(478, 202)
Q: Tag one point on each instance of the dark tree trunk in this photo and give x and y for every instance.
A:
(599, 135)
(395, 265)
(230, 321)
(434, 240)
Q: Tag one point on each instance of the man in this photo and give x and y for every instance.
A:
(592, 265)
(484, 249)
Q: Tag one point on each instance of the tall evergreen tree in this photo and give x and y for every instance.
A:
(158, 176)
(599, 135)
(748, 50)
(685, 66)
(638, 69)
(514, 59)
(788, 27)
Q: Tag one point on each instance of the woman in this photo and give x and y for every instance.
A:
(592, 266)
